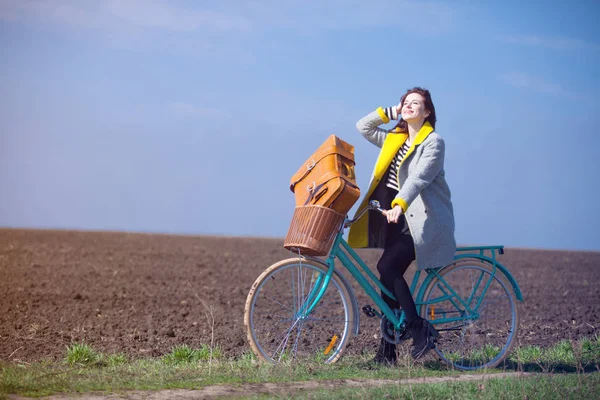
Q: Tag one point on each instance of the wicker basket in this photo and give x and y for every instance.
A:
(313, 230)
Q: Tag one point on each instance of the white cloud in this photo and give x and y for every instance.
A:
(62, 12)
(223, 29)
(7, 13)
(117, 14)
(174, 16)
(549, 42)
(233, 15)
(173, 26)
(181, 109)
(308, 17)
(532, 82)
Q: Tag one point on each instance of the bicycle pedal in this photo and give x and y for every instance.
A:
(370, 311)
(432, 341)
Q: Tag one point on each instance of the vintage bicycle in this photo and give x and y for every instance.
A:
(303, 308)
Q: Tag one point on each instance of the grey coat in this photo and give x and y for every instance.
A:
(424, 193)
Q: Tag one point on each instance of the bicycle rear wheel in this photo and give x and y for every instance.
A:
(278, 329)
(483, 333)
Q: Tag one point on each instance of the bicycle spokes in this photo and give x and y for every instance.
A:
(283, 325)
(475, 313)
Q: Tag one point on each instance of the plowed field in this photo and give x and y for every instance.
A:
(142, 294)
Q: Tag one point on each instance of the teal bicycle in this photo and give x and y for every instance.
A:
(303, 308)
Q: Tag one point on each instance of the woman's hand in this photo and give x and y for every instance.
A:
(393, 214)
(399, 110)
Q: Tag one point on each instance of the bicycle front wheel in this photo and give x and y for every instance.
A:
(481, 317)
(277, 326)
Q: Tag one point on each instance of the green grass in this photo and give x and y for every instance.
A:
(113, 360)
(475, 357)
(83, 369)
(571, 386)
(184, 354)
(81, 354)
(527, 355)
(183, 368)
(590, 350)
(565, 355)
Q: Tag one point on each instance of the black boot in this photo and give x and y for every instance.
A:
(386, 354)
(424, 336)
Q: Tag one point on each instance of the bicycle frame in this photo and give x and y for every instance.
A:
(350, 261)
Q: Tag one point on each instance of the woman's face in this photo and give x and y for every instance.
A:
(413, 108)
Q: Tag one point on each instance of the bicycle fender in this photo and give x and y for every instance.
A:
(348, 289)
(501, 267)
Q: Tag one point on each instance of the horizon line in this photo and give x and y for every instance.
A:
(229, 236)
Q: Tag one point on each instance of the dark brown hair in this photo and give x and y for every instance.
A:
(403, 125)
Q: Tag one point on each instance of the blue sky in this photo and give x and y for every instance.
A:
(191, 116)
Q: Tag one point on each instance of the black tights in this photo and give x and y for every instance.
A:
(398, 253)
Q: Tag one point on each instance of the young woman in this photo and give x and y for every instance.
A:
(408, 178)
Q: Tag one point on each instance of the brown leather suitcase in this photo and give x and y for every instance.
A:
(327, 178)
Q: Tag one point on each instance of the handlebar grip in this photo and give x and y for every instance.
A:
(375, 205)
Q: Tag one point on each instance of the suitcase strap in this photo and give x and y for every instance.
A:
(317, 196)
(314, 189)
(318, 157)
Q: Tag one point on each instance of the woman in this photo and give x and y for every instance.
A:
(409, 180)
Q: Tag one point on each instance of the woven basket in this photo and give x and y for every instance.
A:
(313, 230)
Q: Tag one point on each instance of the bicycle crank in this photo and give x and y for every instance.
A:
(390, 334)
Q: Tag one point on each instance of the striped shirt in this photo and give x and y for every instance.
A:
(392, 179)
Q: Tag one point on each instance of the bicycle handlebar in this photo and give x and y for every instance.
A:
(373, 205)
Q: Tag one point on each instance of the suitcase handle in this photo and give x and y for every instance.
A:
(312, 188)
(320, 194)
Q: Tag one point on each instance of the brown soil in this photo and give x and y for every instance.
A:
(142, 294)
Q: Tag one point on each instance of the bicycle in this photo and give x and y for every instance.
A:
(304, 308)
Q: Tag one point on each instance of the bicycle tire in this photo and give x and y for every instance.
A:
(450, 346)
(313, 337)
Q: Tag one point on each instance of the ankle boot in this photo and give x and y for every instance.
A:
(424, 336)
(386, 354)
